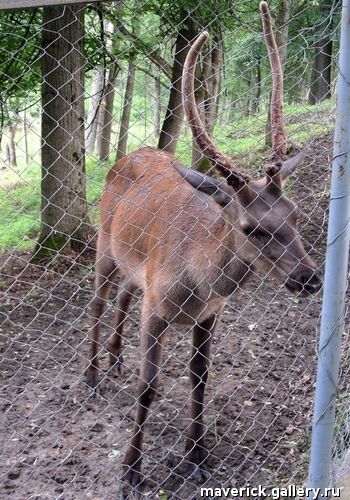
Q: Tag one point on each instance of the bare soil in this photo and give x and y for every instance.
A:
(58, 441)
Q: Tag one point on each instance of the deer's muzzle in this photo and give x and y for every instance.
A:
(305, 282)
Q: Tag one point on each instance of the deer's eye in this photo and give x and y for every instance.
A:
(249, 230)
(256, 232)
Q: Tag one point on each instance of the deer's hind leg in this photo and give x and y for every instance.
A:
(105, 271)
(125, 294)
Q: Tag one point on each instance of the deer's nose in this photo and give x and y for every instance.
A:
(311, 283)
(308, 281)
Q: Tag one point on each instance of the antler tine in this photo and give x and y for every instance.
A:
(279, 139)
(222, 162)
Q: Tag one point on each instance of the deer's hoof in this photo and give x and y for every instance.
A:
(132, 483)
(199, 473)
(92, 376)
(197, 468)
(116, 364)
(132, 475)
(92, 379)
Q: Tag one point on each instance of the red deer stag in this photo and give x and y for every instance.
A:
(189, 241)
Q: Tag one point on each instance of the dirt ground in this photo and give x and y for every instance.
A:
(57, 441)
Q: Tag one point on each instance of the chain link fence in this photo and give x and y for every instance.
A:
(80, 86)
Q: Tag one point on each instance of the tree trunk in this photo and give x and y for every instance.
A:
(213, 85)
(125, 119)
(8, 155)
(25, 132)
(113, 83)
(320, 85)
(174, 114)
(104, 141)
(100, 124)
(12, 144)
(106, 131)
(93, 115)
(156, 107)
(256, 100)
(246, 112)
(64, 220)
(282, 28)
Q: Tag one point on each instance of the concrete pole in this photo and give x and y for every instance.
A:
(332, 319)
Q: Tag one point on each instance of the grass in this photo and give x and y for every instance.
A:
(242, 138)
(20, 203)
(20, 209)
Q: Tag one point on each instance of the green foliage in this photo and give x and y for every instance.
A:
(19, 207)
(20, 187)
(19, 61)
(150, 29)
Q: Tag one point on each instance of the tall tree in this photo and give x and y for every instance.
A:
(174, 114)
(156, 106)
(64, 220)
(25, 133)
(93, 115)
(106, 128)
(256, 98)
(320, 83)
(125, 118)
(12, 141)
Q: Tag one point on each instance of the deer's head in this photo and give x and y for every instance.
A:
(263, 219)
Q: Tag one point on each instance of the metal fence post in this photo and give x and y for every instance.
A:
(332, 319)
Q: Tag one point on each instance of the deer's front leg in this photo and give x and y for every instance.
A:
(153, 329)
(125, 295)
(196, 452)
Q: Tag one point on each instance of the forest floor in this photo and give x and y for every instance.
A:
(57, 441)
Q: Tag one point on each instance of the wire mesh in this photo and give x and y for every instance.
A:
(104, 88)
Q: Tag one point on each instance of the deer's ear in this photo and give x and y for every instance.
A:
(291, 164)
(220, 192)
